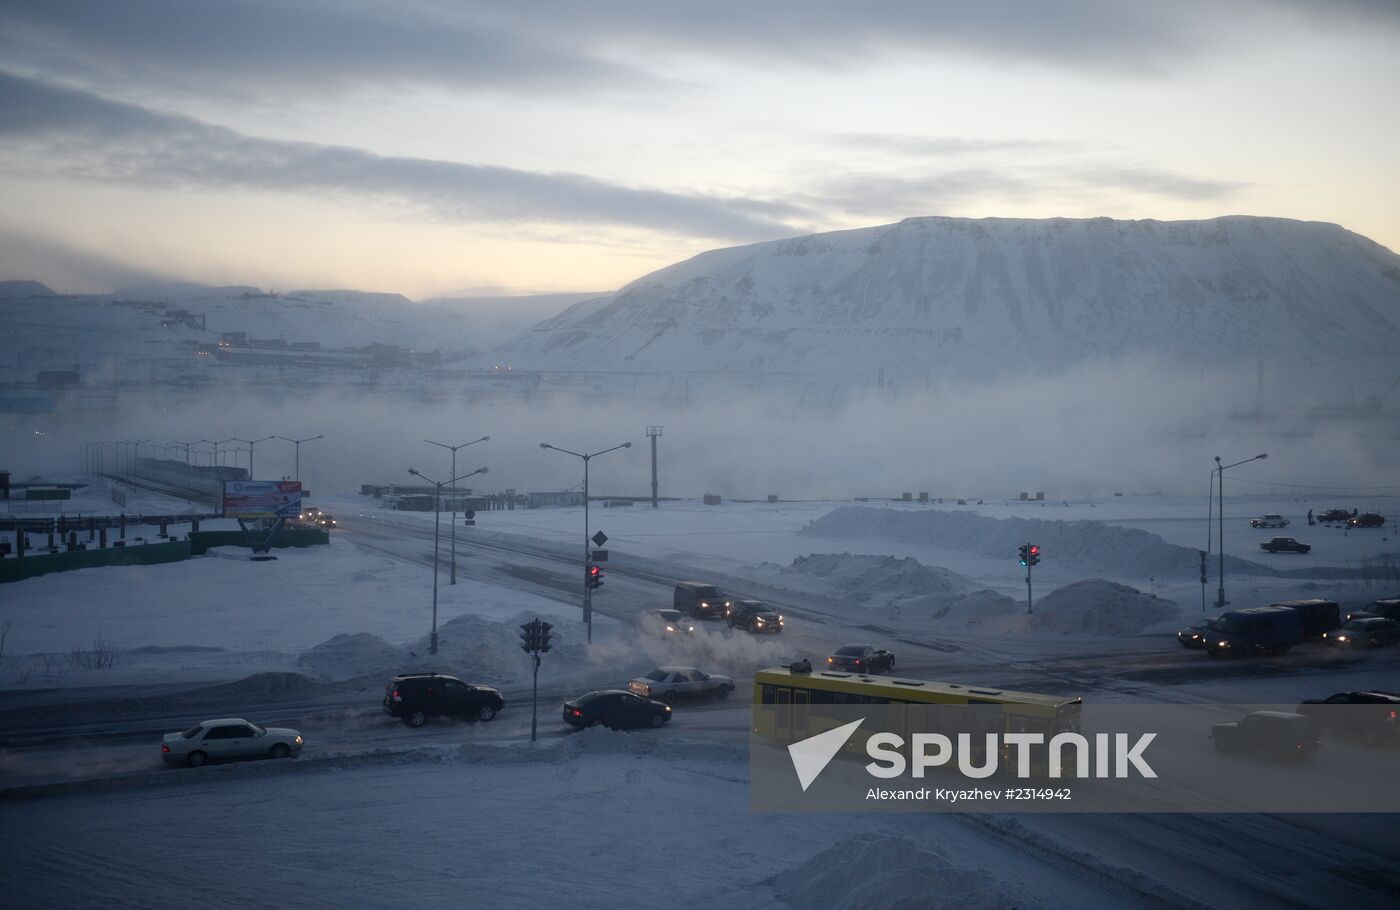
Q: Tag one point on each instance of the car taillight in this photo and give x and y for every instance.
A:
(164, 747)
(396, 695)
(1393, 715)
(577, 713)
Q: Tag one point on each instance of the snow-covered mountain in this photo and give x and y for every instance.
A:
(979, 297)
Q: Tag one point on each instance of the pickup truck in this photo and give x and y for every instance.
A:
(1333, 516)
(1284, 545)
(1270, 734)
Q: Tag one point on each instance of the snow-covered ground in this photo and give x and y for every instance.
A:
(382, 815)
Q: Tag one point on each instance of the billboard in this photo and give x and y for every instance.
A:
(262, 499)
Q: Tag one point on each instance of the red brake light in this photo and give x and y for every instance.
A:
(164, 747)
(1393, 715)
(577, 713)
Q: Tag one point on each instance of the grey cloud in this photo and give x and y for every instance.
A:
(259, 46)
(255, 46)
(71, 133)
(1158, 183)
(883, 195)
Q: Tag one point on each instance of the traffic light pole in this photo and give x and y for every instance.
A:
(1029, 601)
(535, 700)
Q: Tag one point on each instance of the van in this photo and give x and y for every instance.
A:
(694, 598)
(1318, 615)
(1270, 629)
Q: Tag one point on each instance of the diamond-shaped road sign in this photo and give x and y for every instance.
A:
(600, 538)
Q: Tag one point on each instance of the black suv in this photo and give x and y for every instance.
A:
(1385, 608)
(694, 598)
(1373, 716)
(754, 615)
(419, 696)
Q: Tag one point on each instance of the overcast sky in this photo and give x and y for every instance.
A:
(444, 147)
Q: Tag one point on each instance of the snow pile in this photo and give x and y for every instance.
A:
(879, 578)
(1098, 607)
(974, 608)
(259, 686)
(350, 656)
(888, 872)
(1088, 546)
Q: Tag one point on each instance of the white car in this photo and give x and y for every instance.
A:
(1269, 521)
(230, 737)
(668, 623)
(669, 683)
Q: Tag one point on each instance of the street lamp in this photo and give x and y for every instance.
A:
(437, 520)
(1220, 491)
(251, 443)
(297, 443)
(587, 556)
(214, 474)
(454, 449)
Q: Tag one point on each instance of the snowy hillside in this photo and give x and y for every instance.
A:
(964, 297)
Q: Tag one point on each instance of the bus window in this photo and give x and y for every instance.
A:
(799, 712)
(784, 695)
(821, 697)
(766, 694)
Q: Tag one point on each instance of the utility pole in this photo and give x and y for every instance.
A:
(453, 450)
(653, 432)
(1220, 491)
(587, 548)
(437, 522)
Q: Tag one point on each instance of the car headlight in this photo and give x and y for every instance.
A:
(1223, 644)
(690, 628)
(758, 622)
(670, 628)
(703, 604)
(668, 709)
(1341, 638)
(299, 741)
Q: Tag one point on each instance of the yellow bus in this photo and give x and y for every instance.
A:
(793, 704)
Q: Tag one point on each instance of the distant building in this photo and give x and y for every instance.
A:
(560, 498)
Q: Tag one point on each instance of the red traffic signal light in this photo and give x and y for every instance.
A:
(1033, 555)
(595, 576)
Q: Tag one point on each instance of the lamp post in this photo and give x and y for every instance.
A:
(214, 475)
(251, 443)
(1220, 491)
(437, 516)
(453, 449)
(297, 443)
(587, 588)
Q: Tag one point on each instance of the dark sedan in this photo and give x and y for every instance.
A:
(861, 659)
(1194, 635)
(754, 615)
(615, 709)
(1373, 716)
(1374, 632)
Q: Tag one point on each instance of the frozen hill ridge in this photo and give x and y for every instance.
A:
(978, 297)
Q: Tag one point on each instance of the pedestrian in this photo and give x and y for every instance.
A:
(1310, 518)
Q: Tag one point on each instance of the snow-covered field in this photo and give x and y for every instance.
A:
(375, 814)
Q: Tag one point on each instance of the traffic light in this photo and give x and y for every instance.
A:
(1034, 555)
(595, 576)
(545, 634)
(530, 636)
(1025, 554)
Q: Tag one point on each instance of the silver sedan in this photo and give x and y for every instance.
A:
(231, 737)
